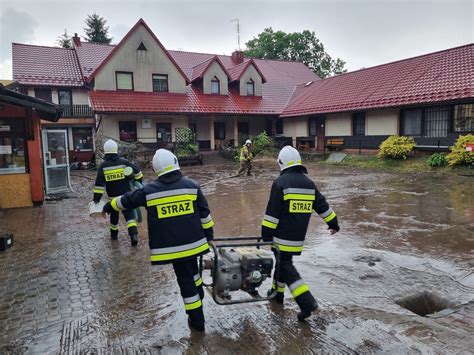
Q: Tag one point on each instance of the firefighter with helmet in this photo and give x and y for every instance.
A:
(246, 157)
(111, 178)
(179, 227)
(293, 197)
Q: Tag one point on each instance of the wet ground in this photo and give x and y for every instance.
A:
(405, 241)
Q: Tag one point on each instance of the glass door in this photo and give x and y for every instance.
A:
(56, 161)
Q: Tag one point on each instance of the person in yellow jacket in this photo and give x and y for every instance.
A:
(246, 157)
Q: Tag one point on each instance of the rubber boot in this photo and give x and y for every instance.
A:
(134, 240)
(279, 298)
(305, 313)
(114, 234)
(196, 320)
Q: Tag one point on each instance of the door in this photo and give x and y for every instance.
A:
(243, 129)
(56, 161)
(317, 130)
(163, 134)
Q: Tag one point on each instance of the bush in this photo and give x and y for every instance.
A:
(437, 159)
(261, 143)
(396, 147)
(458, 154)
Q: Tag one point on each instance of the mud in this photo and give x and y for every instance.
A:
(67, 288)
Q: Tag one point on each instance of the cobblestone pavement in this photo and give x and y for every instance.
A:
(65, 287)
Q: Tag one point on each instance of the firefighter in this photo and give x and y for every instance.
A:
(246, 157)
(111, 178)
(293, 197)
(179, 227)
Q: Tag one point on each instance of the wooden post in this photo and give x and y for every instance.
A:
(236, 132)
(211, 132)
(35, 160)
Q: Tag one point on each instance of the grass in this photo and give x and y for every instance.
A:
(412, 164)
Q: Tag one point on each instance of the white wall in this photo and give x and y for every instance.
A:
(339, 124)
(382, 122)
(251, 73)
(80, 97)
(215, 70)
(142, 63)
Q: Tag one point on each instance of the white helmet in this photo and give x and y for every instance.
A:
(164, 162)
(248, 141)
(110, 147)
(288, 157)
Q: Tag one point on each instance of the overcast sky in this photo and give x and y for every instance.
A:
(362, 33)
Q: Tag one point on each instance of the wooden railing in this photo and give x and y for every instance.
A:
(76, 111)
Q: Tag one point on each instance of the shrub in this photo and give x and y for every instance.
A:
(437, 159)
(396, 147)
(261, 143)
(458, 154)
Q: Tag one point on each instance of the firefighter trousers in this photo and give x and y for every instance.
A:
(289, 276)
(129, 217)
(245, 165)
(190, 285)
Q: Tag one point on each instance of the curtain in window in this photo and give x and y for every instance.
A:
(464, 118)
(124, 81)
(436, 122)
(412, 122)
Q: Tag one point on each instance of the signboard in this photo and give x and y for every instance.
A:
(470, 147)
(5, 149)
(4, 128)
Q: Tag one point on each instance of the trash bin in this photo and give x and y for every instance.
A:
(6, 241)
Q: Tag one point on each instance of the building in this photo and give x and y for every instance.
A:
(140, 91)
(21, 167)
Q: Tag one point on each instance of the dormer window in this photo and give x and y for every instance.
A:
(250, 88)
(215, 87)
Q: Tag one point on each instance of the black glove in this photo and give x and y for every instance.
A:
(334, 225)
(209, 233)
(108, 208)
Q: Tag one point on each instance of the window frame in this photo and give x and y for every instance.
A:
(116, 80)
(252, 83)
(153, 82)
(219, 124)
(279, 126)
(70, 95)
(43, 89)
(73, 133)
(454, 130)
(215, 79)
(355, 125)
(120, 132)
(16, 134)
(448, 109)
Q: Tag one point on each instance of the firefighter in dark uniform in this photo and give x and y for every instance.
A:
(111, 178)
(179, 227)
(293, 197)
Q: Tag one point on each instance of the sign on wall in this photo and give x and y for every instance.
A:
(4, 128)
(5, 149)
(146, 123)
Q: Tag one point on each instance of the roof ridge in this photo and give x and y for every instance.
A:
(401, 60)
(41, 46)
(204, 61)
(99, 44)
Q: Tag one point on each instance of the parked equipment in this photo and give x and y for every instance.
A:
(6, 241)
(241, 266)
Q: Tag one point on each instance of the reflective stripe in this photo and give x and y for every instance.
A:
(119, 203)
(177, 198)
(114, 227)
(270, 225)
(197, 280)
(191, 303)
(114, 204)
(168, 168)
(207, 225)
(137, 176)
(114, 167)
(327, 213)
(271, 219)
(280, 288)
(330, 217)
(207, 219)
(289, 245)
(299, 287)
(132, 223)
(98, 191)
(299, 197)
(171, 193)
(294, 243)
(292, 190)
(182, 251)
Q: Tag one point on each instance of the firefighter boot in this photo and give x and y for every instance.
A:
(196, 320)
(134, 239)
(280, 296)
(114, 234)
(305, 313)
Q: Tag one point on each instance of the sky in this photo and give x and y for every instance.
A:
(362, 33)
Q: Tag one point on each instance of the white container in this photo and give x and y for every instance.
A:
(95, 209)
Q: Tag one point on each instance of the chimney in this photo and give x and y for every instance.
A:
(237, 57)
(76, 40)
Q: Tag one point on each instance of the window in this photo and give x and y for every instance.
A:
(412, 122)
(124, 80)
(160, 83)
(43, 94)
(250, 88)
(464, 118)
(279, 126)
(215, 86)
(219, 130)
(358, 124)
(427, 122)
(312, 126)
(128, 131)
(65, 100)
(82, 139)
(12, 146)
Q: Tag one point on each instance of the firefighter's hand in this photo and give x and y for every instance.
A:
(107, 209)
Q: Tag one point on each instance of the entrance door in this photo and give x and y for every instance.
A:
(243, 129)
(317, 130)
(56, 160)
(163, 134)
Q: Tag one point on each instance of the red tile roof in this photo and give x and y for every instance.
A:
(90, 56)
(45, 66)
(200, 69)
(237, 71)
(430, 78)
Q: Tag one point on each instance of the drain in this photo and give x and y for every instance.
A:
(424, 303)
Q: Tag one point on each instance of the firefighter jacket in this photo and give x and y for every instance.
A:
(179, 220)
(292, 199)
(245, 153)
(111, 177)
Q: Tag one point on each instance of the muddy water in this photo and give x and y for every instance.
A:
(66, 287)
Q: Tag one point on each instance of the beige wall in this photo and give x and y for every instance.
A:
(251, 73)
(215, 70)
(142, 63)
(295, 127)
(339, 124)
(381, 122)
(80, 97)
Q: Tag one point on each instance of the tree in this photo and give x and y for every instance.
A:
(96, 30)
(297, 46)
(64, 40)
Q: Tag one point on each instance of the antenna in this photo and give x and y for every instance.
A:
(238, 32)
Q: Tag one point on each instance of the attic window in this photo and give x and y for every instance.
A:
(141, 47)
(215, 86)
(250, 88)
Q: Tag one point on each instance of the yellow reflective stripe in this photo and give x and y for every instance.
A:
(176, 198)
(106, 172)
(180, 254)
(330, 217)
(289, 248)
(132, 224)
(97, 191)
(198, 282)
(208, 225)
(114, 204)
(138, 176)
(194, 305)
(168, 168)
(299, 197)
(114, 228)
(269, 224)
(300, 290)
